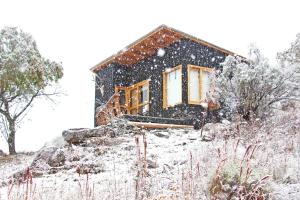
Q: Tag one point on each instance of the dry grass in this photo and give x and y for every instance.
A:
(241, 163)
(232, 177)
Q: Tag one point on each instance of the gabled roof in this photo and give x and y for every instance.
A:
(148, 45)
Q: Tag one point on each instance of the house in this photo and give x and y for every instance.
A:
(164, 77)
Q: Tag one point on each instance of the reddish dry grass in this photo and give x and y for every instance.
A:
(224, 186)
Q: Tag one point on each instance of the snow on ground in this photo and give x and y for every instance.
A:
(11, 164)
(180, 165)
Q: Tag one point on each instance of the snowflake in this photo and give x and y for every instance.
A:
(161, 52)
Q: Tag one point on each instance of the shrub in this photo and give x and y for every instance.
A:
(233, 178)
(253, 86)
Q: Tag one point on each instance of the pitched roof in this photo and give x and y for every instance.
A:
(147, 46)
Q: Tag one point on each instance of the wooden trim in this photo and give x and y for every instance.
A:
(139, 83)
(209, 69)
(117, 90)
(110, 59)
(201, 69)
(128, 97)
(176, 35)
(158, 125)
(165, 96)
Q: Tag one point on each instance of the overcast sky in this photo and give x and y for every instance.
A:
(80, 34)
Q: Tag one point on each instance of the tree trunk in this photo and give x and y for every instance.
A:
(11, 138)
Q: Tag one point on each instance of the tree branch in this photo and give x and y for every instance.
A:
(27, 105)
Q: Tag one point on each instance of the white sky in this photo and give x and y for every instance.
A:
(82, 33)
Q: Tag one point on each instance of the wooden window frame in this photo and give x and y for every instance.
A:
(201, 69)
(165, 96)
(128, 97)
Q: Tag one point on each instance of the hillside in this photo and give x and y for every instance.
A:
(120, 161)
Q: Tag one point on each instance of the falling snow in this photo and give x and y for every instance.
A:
(161, 52)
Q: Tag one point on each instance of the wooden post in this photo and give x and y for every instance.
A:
(117, 104)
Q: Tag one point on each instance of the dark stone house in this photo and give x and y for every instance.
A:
(164, 77)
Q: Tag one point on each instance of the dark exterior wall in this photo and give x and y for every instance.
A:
(104, 79)
(183, 52)
(122, 75)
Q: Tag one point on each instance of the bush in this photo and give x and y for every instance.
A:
(251, 87)
(233, 178)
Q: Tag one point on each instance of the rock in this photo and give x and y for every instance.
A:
(183, 162)
(2, 153)
(36, 173)
(42, 159)
(76, 136)
(167, 169)
(102, 141)
(74, 158)
(99, 151)
(121, 127)
(151, 164)
(24, 175)
(57, 159)
(162, 134)
(206, 138)
(211, 130)
(88, 168)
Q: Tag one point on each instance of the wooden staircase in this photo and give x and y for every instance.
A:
(110, 110)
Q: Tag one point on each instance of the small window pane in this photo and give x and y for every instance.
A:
(144, 94)
(122, 97)
(133, 98)
(174, 90)
(195, 85)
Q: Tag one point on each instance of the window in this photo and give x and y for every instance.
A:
(199, 83)
(123, 103)
(172, 86)
(136, 97)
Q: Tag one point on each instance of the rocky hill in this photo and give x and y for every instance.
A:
(120, 161)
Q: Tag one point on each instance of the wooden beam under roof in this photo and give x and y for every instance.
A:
(150, 43)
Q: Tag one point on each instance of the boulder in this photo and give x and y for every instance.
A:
(2, 153)
(212, 130)
(43, 158)
(79, 135)
(88, 168)
(57, 159)
(151, 164)
(162, 134)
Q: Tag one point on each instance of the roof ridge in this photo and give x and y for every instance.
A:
(112, 58)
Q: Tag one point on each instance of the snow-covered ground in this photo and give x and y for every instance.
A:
(175, 164)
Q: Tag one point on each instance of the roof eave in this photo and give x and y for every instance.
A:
(109, 60)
